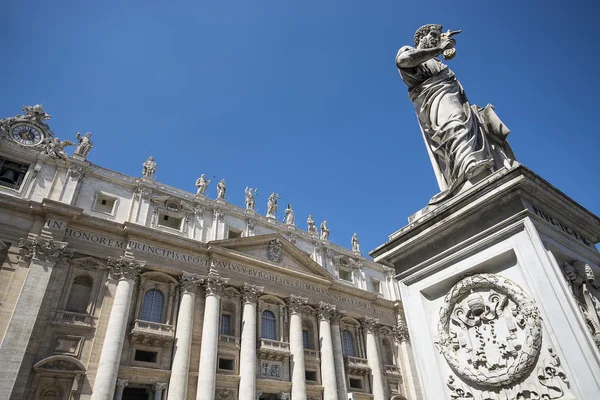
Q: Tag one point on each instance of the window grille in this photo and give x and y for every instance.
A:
(153, 306)
(225, 324)
(348, 344)
(268, 330)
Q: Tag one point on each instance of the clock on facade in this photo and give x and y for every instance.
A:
(26, 135)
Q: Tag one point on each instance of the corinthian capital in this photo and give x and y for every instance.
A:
(326, 310)
(213, 283)
(46, 250)
(125, 267)
(401, 330)
(370, 324)
(295, 303)
(250, 292)
(189, 282)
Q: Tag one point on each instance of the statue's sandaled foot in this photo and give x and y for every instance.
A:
(478, 167)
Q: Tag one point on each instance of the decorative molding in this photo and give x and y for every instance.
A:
(275, 251)
(122, 383)
(213, 283)
(370, 324)
(295, 303)
(219, 214)
(46, 250)
(125, 267)
(77, 172)
(159, 386)
(401, 330)
(250, 293)
(483, 306)
(326, 310)
(189, 282)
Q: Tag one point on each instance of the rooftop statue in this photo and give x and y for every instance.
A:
(312, 228)
(202, 184)
(149, 168)
(250, 200)
(324, 231)
(355, 243)
(221, 189)
(464, 141)
(272, 205)
(85, 144)
(289, 215)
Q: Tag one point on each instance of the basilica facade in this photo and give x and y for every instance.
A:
(122, 287)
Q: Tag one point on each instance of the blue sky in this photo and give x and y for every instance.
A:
(302, 97)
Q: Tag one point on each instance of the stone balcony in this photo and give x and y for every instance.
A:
(356, 366)
(273, 350)
(74, 319)
(310, 354)
(392, 370)
(152, 333)
(229, 341)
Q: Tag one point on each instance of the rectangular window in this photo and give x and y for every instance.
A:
(305, 339)
(356, 383)
(226, 364)
(146, 356)
(345, 275)
(311, 376)
(233, 234)
(225, 324)
(12, 174)
(169, 221)
(104, 203)
(376, 285)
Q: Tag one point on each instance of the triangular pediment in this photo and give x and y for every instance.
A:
(275, 250)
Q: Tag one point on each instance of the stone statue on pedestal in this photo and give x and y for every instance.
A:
(312, 228)
(463, 140)
(85, 144)
(355, 243)
(250, 201)
(289, 215)
(149, 168)
(202, 184)
(272, 205)
(324, 231)
(221, 189)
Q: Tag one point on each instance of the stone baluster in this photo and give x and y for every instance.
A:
(213, 285)
(370, 327)
(250, 294)
(125, 270)
(44, 254)
(121, 385)
(327, 359)
(158, 388)
(178, 382)
(340, 371)
(295, 304)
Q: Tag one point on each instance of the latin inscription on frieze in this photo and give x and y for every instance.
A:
(571, 232)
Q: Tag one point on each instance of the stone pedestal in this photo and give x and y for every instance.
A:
(498, 286)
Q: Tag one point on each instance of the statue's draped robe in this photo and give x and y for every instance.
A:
(451, 129)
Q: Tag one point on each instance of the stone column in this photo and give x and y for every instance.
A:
(338, 351)
(247, 389)
(370, 326)
(401, 338)
(158, 388)
(44, 255)
(213, 285)
(178, 381)
(327, 360)
(126, 270)
(295, 304)
(121, 384)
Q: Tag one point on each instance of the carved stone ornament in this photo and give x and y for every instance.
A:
(46, 250)
(401, 331)
(213, 283)
(159, 386)
(582, 282)
(142, 192)
(326, 310)
(225, 393)
(489, 330)
(295, 303)
(124, 268)
(77, 172)
(122, 383)
(275, 251)
(219, 214)
(250, 293)
(370, 324)
(189, 282)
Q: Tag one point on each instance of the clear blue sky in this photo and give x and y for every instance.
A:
(302, 97)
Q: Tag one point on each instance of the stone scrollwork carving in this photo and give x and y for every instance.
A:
(125, 267)
(213, 283)
(275, 251)
(189, 282)
(250, 293)
(326, 310)
(295, 303)
(77, 172)
(370, 324)
(582, 282)
(46, 250)
(489, 330)
(225, 393)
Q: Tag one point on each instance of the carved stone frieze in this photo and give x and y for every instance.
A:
(213, 283)
(295, 303)
(370, 324)
(46, 250)
(275, 251)
(326, 310)
(250, 293)
(125, 267)
(489, 330)
(189, 282)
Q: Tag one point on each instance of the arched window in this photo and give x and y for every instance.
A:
(153, 306)
(388, 353)
(268, 322)
(348, 343)
(79, 298)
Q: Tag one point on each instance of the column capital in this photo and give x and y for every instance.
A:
(213, 283)
(188, 283)
(47, 250)
(370, 324)
(250, 293)
(295, 303)
(122, 383)
(158, 386)
(326, 310)
(401, 331)
(125, 267)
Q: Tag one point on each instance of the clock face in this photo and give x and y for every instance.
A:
(26, 135)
